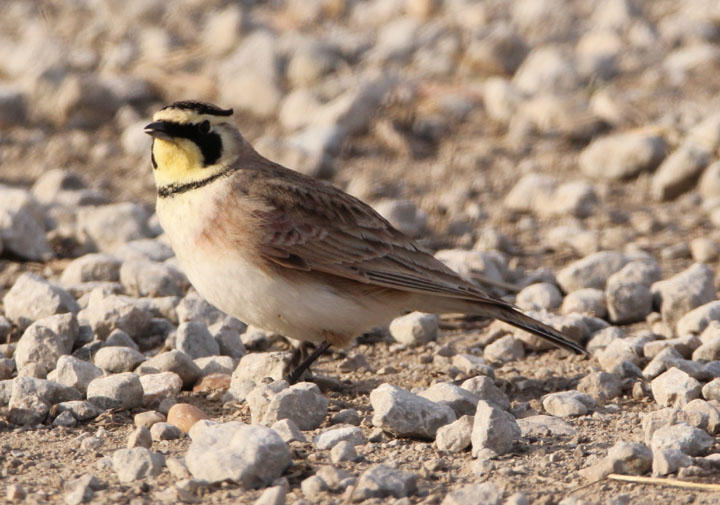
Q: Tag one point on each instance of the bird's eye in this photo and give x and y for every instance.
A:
(205, 127)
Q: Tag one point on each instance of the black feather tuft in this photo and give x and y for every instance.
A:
(201, 108)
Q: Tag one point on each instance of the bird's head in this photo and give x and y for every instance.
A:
(191, 141)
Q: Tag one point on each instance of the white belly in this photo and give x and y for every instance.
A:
(226, 279)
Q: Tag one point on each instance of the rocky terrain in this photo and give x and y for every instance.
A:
(564, 154)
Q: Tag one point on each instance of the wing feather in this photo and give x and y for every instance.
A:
(310, 226)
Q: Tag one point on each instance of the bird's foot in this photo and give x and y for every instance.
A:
(304, 365)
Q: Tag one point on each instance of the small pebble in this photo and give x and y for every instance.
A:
(184, 415)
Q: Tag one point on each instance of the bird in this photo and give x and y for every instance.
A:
(291, 254)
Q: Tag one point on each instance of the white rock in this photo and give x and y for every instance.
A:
(634, 458)
(587, 300)
(144, 249)
(539, 296)
(149, 278)
(543, 426)
(706, 410)
(136, 463)
(494, 430)
(134, 140)
(695, 321)
(309, 62)
(44, 341)
(574, 198)
(160, 386)
(679, 172)
(140, 437)
(405, 414)
(530, 192)
(462, 401)
(485, 389)
(302, 403)
(343, 451)
(251, 456)
(193, 307)
(601, 386)
(644, 271)
(114, 359)
(272, 496)
(330, 438)
(298, 108)
(416, 328)
(215, 364)
(31, 398)
(627, 302)
(591, 272)
(568, 403)
(258, 365)
(121, 390)
(76, 373)
(172, 361)
(194, 339)
(396, 40)
(704, 249)
(500, 98)
(684, 291)
(546, 68)
(711, 390)
(682, 61)
(31, 298)
(485, 493)
(682, 437)
(381, 481)
(249, 79)
(105, 313)
(288, 431)
(165, 431)
(351, 111)
(230, 342)
(666, 461)
(122, 339)
(221, 29)
(504, 349)
(81, 410)
(623, 155)
(598, 53)
(22, 230)
(91, 267)
(110, 226)
(472, 365)
(706, 133)
(709, 185)
(675, 388)
(456, 436)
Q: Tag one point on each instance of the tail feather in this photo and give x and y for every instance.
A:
(527, 323)
(497, 309)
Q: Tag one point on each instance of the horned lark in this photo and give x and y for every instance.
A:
(287, 253)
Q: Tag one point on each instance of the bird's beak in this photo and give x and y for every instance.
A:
(158, 130)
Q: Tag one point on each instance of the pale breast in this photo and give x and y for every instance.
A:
(205, 227)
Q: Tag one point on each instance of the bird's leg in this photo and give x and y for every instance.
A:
(300, 350)
(300, 369)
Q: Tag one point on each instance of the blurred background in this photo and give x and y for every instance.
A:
(512, 125)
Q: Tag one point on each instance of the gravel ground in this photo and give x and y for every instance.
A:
(564, 154)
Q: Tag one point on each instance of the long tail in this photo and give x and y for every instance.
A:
(497, 309)
(527, 323)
